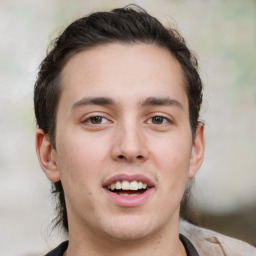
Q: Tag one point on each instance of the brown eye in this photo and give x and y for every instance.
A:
(96, 120)
(157, 120)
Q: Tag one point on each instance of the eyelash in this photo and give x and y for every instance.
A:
(164, 120)
(89, 120)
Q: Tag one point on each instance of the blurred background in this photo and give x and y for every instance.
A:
(223, 35)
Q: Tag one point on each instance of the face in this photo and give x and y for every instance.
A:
(124, 148)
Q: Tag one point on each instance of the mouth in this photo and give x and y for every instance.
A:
(128, 188)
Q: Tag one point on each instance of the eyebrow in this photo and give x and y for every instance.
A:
(155, 101)
(105, 101)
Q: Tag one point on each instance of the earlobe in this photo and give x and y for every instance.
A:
(47, 156)
(197, 153)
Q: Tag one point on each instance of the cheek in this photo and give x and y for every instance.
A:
(80, 159)
(172, 158)
(80, 165)
(174, 151)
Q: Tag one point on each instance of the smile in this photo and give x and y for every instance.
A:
(126, 188)
(129, 190)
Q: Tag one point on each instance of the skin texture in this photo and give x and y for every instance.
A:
(129, 140)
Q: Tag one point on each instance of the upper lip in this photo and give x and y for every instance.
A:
(121, 177)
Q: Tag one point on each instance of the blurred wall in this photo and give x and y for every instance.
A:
(222, 33)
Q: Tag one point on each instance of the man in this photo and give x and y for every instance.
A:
(117, 104)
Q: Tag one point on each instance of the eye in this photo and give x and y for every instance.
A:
(96, 120)
(158, 120)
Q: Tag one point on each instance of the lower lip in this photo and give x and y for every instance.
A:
(129, 201)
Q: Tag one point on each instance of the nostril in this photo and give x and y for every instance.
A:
(139, 157)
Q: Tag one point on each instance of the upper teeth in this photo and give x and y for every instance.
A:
(126, 185)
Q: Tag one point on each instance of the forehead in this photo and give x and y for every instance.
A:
(123, 71)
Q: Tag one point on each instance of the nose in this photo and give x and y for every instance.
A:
(129, 144)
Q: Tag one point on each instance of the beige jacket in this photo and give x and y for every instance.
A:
(210, 243)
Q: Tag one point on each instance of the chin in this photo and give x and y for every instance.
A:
(128, 235)
(131, 229)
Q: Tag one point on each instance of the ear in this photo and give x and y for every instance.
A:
(47, 156)
(197, 153)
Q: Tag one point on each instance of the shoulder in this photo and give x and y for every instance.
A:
(210, 243)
